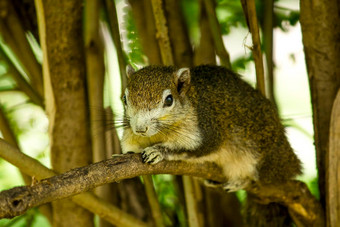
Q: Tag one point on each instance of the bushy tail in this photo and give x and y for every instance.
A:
(268, 215)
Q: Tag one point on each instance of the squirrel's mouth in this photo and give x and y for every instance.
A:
(142, 134)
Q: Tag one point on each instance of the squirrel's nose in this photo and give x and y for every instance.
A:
(142, 129)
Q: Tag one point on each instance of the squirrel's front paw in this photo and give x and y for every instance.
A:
(152, 155)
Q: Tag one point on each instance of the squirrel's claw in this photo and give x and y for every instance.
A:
(212, 183)
(151, 155)
(235, 185)
(231, 186)
(119, 155)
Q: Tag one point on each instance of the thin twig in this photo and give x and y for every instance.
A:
(95, 71)
(6, 130)
(20, 81)
(162, 33)
(95, 75)
(193, 219)
(268, 46)
(250, 13)
(14, 36)
(153, 201)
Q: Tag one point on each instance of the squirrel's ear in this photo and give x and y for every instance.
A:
(182, 80)
(129, 70)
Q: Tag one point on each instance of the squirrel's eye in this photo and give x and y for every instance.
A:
(168, 101)
(124, 100)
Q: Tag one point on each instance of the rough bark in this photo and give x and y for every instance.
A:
(320, 23)
(60, 28)
(34, 168)
(333, 170)
(303, 207)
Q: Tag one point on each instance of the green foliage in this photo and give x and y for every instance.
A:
(241, 195)
(313, 186)
(191, 14)
(241, 62)
(169, 200)
(230, 14)
(285, 17)
(6, 81)
(135, 54)
(31, 218)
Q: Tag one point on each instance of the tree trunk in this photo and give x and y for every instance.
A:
(178, 34)
(60, 27)
(205, 51)
(320, 23)
(333, 170)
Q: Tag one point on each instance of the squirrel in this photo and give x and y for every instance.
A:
(206, 114)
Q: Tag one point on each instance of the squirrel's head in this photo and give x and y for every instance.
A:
(155, 98)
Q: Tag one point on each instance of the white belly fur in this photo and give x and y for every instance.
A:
(236, 164)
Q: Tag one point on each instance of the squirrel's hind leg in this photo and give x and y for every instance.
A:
(230, 186)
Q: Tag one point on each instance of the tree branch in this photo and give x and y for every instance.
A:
(89, 201)
(250, 14)
(303, 207)
(14, 36)
(322, 54)
(333, 170)
(268, 39)
(22, 84)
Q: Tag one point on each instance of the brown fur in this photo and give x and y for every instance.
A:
(232, 123)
